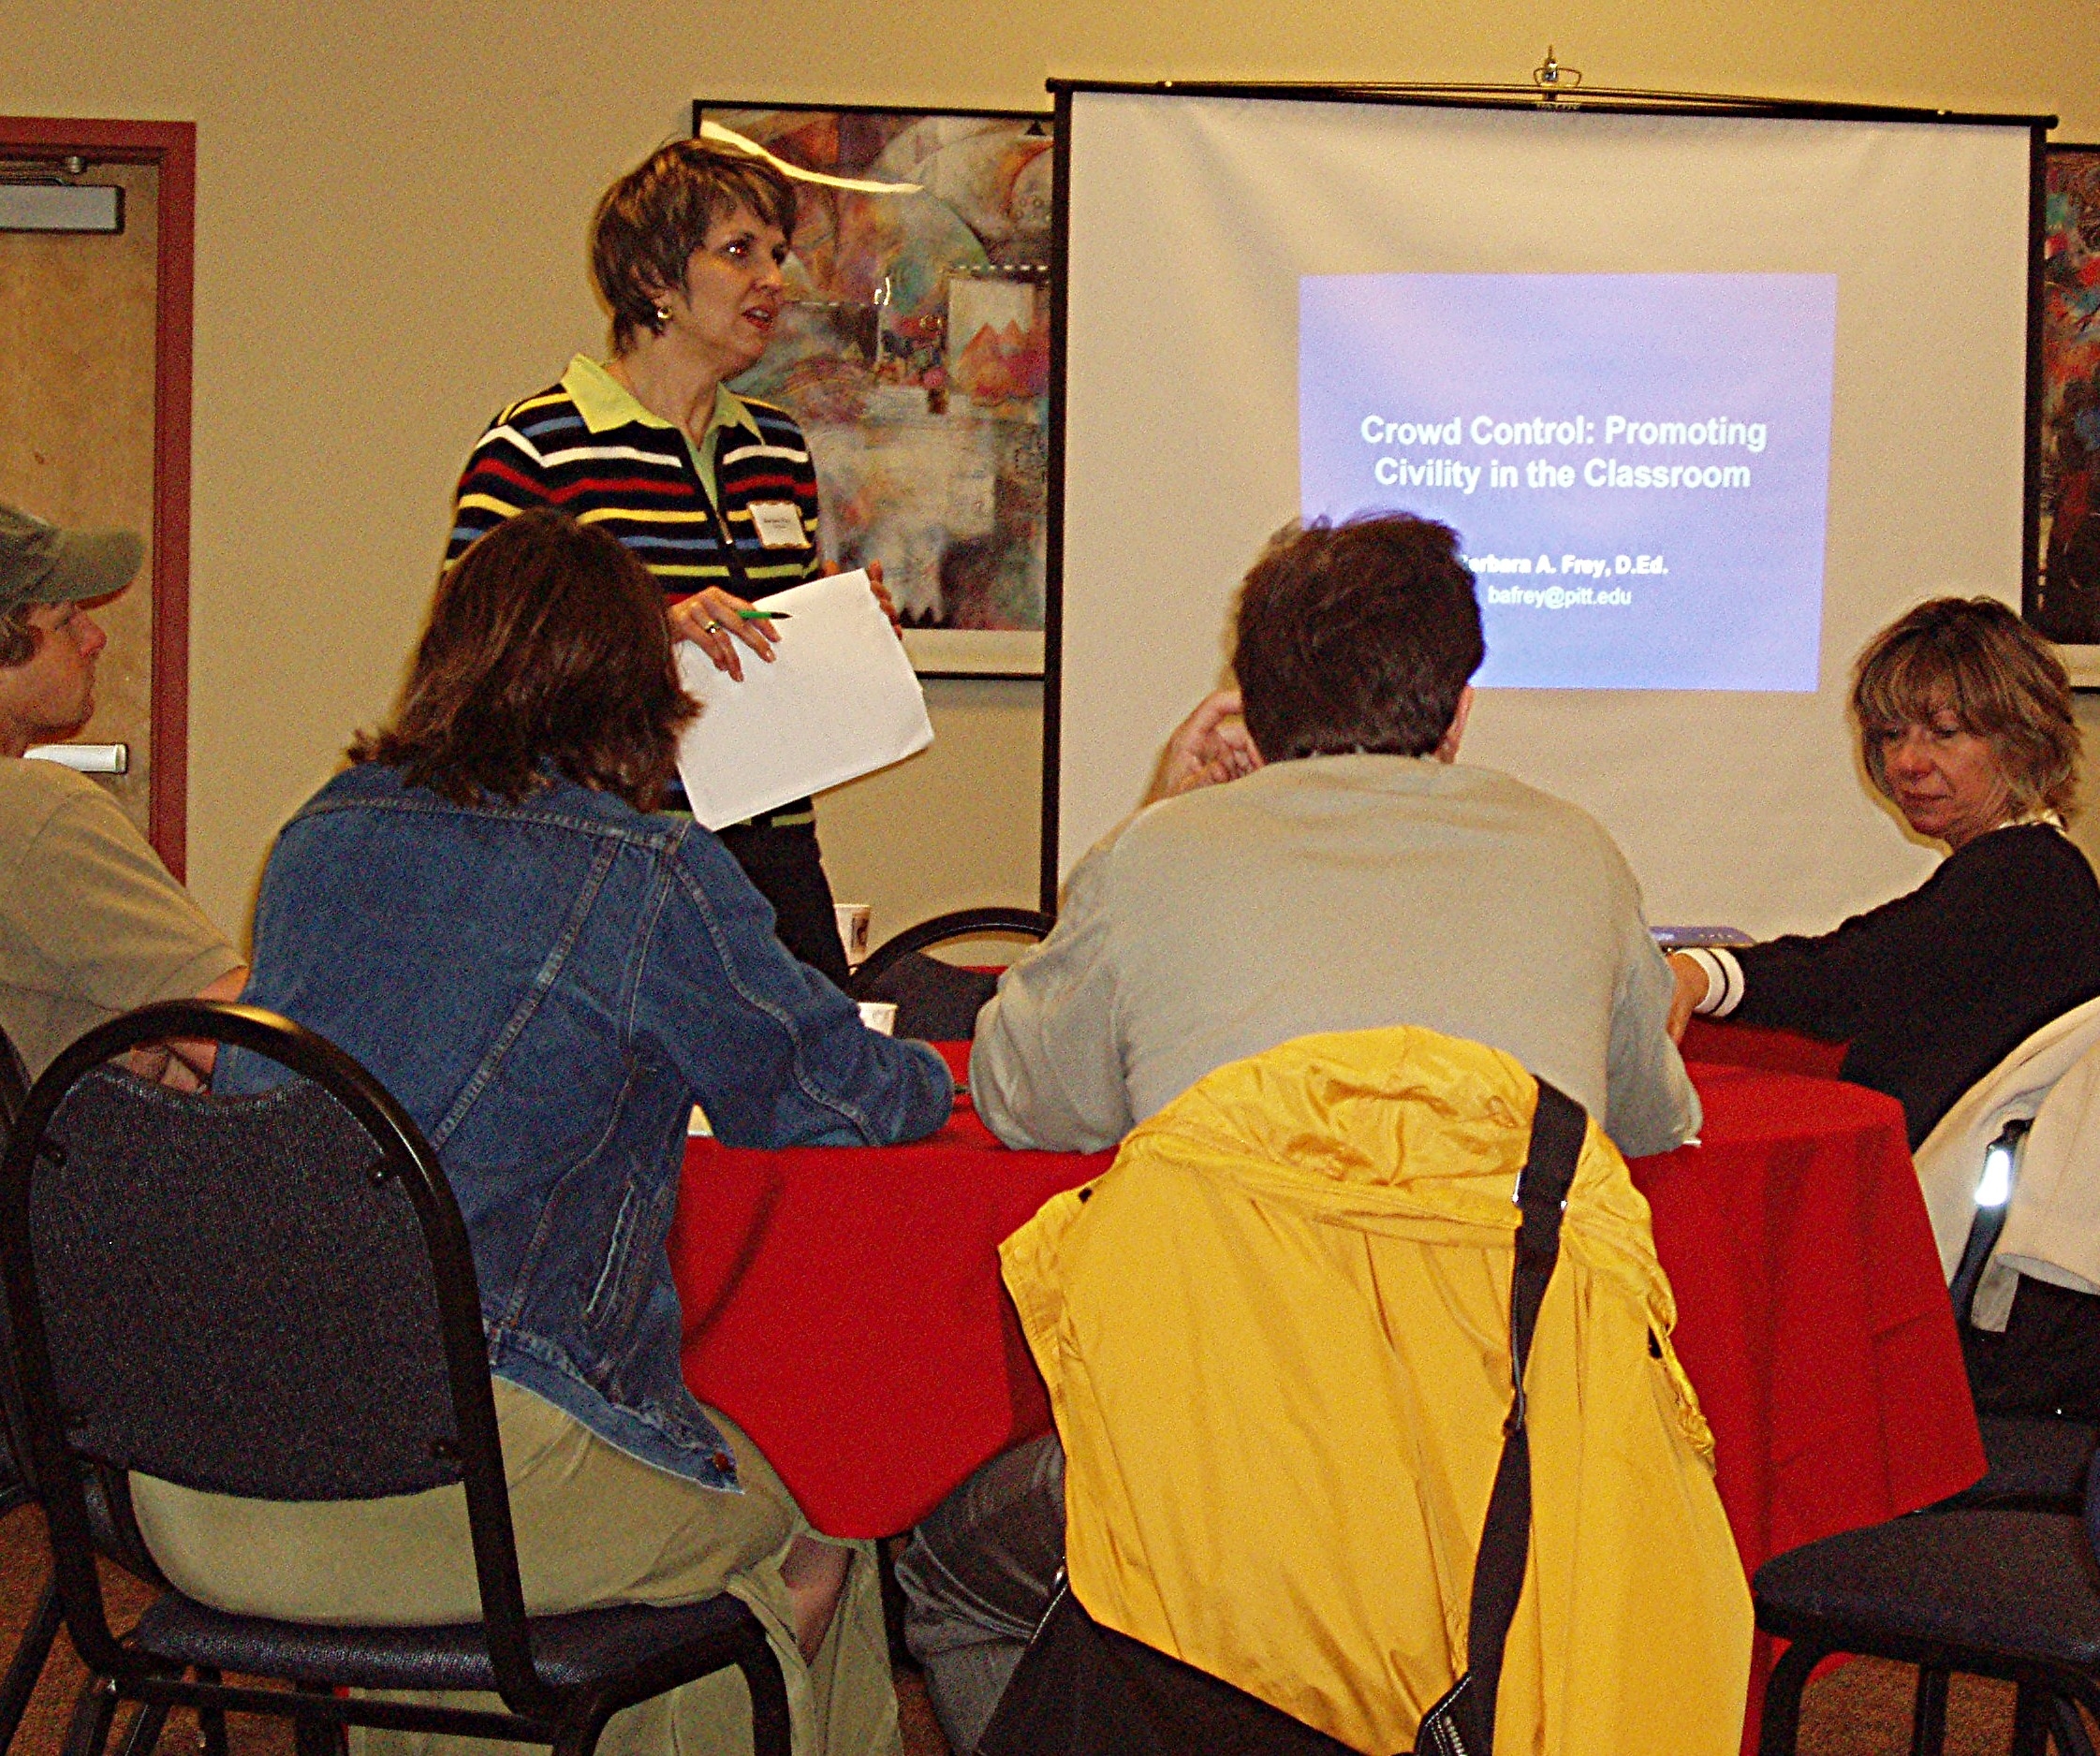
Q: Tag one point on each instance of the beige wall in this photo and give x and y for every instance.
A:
(2085, 829)
(391, 210)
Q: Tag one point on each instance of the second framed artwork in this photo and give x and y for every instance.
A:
(915, 354)
(2065, 605)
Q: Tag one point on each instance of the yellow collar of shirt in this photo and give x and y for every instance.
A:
(604, 401)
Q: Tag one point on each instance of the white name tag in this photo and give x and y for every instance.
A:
(779, 524)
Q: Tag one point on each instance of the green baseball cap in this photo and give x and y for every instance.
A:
(40, 564)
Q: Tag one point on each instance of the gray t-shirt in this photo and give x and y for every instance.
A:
(1336, 893)
(90, 924)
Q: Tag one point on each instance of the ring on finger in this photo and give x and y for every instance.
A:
(713, 627)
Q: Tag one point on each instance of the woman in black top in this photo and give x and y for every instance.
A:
(1965, 725)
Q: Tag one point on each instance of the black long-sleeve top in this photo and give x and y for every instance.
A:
(1933, 989)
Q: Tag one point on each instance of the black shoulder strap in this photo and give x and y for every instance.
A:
(1498, 1575)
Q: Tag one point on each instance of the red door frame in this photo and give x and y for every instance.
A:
(170, 146)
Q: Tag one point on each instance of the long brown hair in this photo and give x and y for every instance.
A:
(546, 647)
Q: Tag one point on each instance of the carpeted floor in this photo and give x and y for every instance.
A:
(1862, 1710)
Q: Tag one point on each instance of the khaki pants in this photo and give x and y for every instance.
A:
(593, 1526)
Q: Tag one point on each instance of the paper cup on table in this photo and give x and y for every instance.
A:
(852, 919)
(879, 1015)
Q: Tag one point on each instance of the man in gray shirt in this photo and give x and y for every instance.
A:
(1325, 863)
(1362, 877)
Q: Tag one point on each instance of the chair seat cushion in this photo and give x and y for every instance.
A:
(569, 1651)
(2004, 1583)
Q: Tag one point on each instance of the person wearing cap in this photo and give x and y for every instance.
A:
(91, 922)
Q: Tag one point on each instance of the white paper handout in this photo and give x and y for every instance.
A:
(838, 701)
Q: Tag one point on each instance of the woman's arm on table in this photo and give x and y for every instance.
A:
(772, 1051)
(1831, 986)
(1690, 976)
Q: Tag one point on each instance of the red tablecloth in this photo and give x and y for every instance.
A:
(844, 1306)
(1718, 1041)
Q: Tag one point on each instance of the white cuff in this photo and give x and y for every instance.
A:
(1723, 981)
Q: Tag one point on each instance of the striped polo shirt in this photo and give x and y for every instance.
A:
(737, 510)
(589, 448)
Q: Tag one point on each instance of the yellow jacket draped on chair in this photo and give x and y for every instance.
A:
(1276, 1337)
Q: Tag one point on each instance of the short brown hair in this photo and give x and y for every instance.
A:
(1975, 658)
(546, 645)
(1356, 637)
(649, 224)
(19, 638)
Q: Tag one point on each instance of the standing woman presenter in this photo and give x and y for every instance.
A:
(714, 493)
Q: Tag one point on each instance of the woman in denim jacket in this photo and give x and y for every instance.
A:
(484, 911)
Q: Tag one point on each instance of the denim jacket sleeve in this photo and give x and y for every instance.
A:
(772, 1052)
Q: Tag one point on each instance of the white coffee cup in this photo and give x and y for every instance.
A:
(879, 1015)
(852, 919)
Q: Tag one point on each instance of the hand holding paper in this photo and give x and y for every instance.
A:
(717, 621)
(839, 701)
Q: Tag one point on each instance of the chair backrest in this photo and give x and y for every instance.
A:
(2051, 1213)
(271, 1297)
(2093, 1506)
(958, 924)
(14, 1081)
(237, 1255)
(14, 1451)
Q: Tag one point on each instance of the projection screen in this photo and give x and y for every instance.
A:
(1709, 400)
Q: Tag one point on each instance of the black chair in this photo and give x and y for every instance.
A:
(1996, 1581)
(14, 1081)
(2014, 1595)
(936, 1001)
(27, 1665)
(273, 1296)
(2034, 1463)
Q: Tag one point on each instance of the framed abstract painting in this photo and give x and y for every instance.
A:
(915, 354)
(2065, 605)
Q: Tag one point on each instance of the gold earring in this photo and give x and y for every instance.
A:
(663, 315)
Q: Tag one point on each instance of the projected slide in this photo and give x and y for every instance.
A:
(1638, 464)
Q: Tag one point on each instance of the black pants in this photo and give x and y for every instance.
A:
(2047, 1360)
(788, 870)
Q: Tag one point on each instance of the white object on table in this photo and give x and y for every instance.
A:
(838, 701)
(853, 918)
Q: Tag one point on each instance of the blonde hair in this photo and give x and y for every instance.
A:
(1975, 658)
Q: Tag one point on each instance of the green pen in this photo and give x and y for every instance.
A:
(764, 615)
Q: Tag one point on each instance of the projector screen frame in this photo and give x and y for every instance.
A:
(2082, 662)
